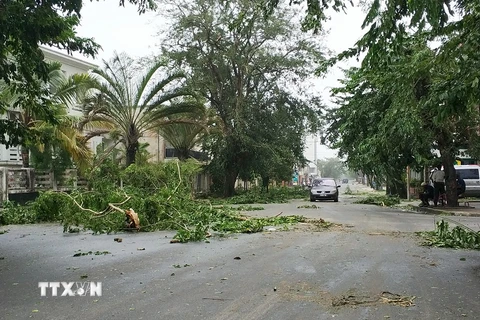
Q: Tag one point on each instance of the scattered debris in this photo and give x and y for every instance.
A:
(306, 206)
(460, 236)
(396, 299)
(384, 201)
(219, 299)
(179, 266)
(384, 297)
(97, 253)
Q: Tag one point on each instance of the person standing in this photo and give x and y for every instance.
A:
(438, 178)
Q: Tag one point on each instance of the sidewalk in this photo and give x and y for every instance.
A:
(470, 211)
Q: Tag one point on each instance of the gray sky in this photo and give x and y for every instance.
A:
(123, 30)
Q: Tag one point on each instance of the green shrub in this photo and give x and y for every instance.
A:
(50, 205)
(14, 213)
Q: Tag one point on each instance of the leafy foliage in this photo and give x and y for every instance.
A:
(247, 208)
(128, 105)
(458, 237)
(380, 200)
(257, 195)
(161, 194)
(13, 213)
(236, 63)
(25, 25)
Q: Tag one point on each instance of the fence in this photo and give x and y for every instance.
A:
(27, 181)
(15, 181)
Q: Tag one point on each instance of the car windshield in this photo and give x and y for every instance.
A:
(329, 182)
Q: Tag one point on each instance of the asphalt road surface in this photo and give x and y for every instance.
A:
(370, 267)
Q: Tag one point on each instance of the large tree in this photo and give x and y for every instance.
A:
(239, 61)
(24, 25)
(133, 99)
(395, 115)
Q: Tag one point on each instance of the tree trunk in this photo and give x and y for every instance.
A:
(25, 157)
(397, 187)
(265, 183)
(131, 153)
(229, 184)
(183, 155)
(450, 179)
(447, 154)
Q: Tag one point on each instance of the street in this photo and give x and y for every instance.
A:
(370, 266)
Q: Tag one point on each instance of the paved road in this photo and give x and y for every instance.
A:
(351, 272)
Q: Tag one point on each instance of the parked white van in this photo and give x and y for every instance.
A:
(471, 175)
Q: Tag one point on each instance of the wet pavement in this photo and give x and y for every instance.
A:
(370, 266)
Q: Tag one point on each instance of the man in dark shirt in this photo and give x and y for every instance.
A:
(426, 194)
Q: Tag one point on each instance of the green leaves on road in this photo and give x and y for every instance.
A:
(459, 237)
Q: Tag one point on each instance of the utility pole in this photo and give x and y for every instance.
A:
(315, 153)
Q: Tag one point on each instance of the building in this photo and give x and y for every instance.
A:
(70, 66)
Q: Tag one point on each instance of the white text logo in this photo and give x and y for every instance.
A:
(70, 289)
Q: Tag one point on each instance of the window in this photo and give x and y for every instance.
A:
(468, 173)
(325, 182)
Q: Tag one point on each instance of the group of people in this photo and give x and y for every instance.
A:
(435, 189)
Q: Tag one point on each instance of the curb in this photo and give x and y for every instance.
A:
(444, 212)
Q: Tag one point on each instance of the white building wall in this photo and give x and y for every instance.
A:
(70, 66)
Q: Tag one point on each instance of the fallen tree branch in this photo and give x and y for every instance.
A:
(179, 183)
(98, 214)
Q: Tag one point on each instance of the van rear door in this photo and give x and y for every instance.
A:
(471, 175)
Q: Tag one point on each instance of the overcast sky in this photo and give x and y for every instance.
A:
(123, 30)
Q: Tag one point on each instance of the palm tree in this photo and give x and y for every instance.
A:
(184, 136)
(62, 92)
(135, 105)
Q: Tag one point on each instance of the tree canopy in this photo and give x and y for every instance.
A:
(25, 25)
(250, 71)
